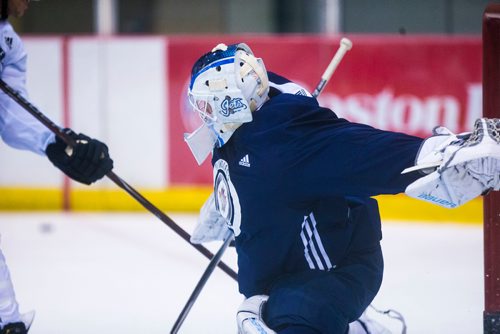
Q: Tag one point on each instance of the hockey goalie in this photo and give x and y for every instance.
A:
(295, 184)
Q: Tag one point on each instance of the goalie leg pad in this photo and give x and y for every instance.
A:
(249, 316)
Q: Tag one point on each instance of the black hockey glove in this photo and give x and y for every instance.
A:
(14, 328)
(86, 162)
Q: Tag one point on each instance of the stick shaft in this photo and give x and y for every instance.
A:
(201, 283)
(345, 45)
(113, 177)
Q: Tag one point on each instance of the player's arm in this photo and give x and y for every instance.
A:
(86, 162)
(18, 128)
(340, 158)
(363, 161)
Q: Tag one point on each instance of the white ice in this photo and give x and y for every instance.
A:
(128, 273)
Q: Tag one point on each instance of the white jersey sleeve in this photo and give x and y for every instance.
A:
(18, 128)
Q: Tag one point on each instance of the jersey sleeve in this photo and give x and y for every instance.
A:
(18, 128)
(335, 157)
(279, 84)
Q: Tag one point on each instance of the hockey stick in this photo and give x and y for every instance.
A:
(201, 283)
(345, 45)
(112, 176)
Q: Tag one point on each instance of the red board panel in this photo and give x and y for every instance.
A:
(400, 83)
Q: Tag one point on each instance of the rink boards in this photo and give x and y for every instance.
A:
(130, 93)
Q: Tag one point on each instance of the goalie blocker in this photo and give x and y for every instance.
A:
(458, 167)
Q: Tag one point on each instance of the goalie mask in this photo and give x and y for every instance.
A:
(227, 85)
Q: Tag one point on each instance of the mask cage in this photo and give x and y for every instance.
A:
(201, 104)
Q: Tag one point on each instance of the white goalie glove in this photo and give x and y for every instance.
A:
(459, 167)
(211, 226)
(249, 316)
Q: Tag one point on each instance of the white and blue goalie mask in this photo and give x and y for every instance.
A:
(227, 85)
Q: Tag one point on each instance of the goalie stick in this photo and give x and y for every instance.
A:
(345, 45)
(201, 283)
(112, 176)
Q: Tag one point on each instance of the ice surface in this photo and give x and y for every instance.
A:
(128, 273)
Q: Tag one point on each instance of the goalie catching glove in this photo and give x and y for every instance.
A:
(86, 162)
(459, 167)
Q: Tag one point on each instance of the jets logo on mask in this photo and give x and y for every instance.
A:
(230, 106)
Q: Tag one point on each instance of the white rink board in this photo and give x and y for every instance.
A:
(129, 273)
(44, 82)
(116, 93)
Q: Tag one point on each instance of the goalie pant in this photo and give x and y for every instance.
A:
(295, 186)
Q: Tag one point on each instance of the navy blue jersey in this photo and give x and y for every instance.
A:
(295, 185)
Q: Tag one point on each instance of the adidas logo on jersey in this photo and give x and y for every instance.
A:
(301, 92)
(245, 161)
